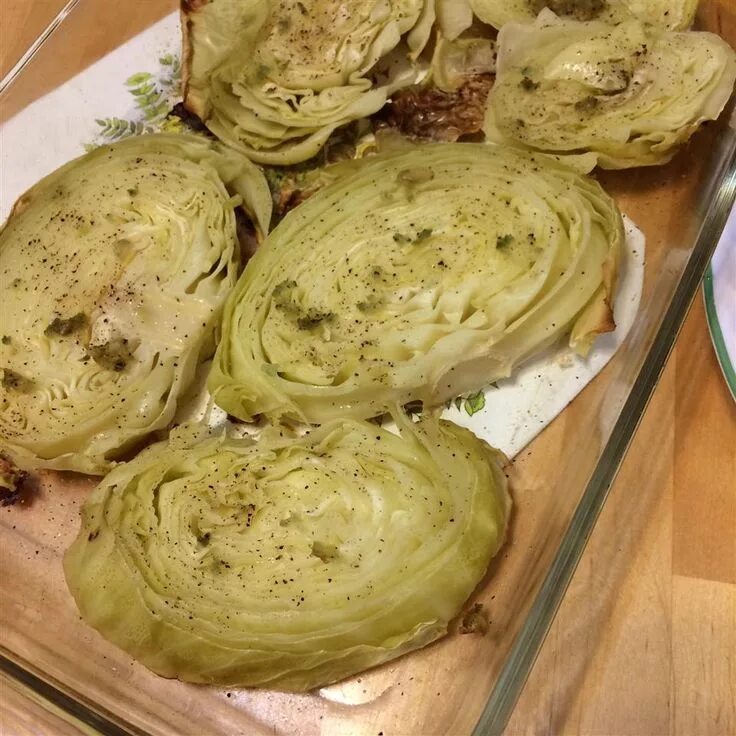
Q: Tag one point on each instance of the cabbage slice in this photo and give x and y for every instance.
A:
(422, 275)
(289, 563)
(673, 15)
(115, 269)
(625, 96)
(276, 79)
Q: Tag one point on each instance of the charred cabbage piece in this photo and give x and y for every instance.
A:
(289, 563)
(421, 275)
(114, 271)
(672, 15)
(623, 96)
(275, 79)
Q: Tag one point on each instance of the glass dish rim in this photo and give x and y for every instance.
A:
(528, 641)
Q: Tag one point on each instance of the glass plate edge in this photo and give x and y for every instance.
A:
(528, 642)
(36, 46)
(53, 697)
(716, 334)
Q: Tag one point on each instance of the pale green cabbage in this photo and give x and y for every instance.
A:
(289, 563)
(453, 17)
(276, 79)
(422, 275)
(114, 270)
(674, 15)
(625, 96)
(455, 62)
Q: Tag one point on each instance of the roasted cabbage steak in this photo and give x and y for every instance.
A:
(114, 271)
(417, 275)
(289, 563)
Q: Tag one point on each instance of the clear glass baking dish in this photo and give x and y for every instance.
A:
(462, 684)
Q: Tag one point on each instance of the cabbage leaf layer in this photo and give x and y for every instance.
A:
(275, 79)
(114, 270)
(622, 96)
(289, 563)
(417, 275)
(674, 15)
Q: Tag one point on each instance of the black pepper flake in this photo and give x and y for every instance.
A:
(250, 510)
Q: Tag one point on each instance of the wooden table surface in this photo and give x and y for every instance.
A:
(645, 641)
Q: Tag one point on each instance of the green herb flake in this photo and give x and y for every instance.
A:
(401, 238)
(14, 381)
(503, 241)
(474, 403)
(282, 298)
(587, 104)
(113, 355)
(65, 327)
(369, 305)
(6, 340)
(261, 72)
(324, 552)
(528, 84)
(423, 234)
(283, 287)
(314, 318)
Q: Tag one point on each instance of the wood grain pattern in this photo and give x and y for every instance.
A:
(704, 523)
(645, 641)
(113, 24)
(22, 22)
